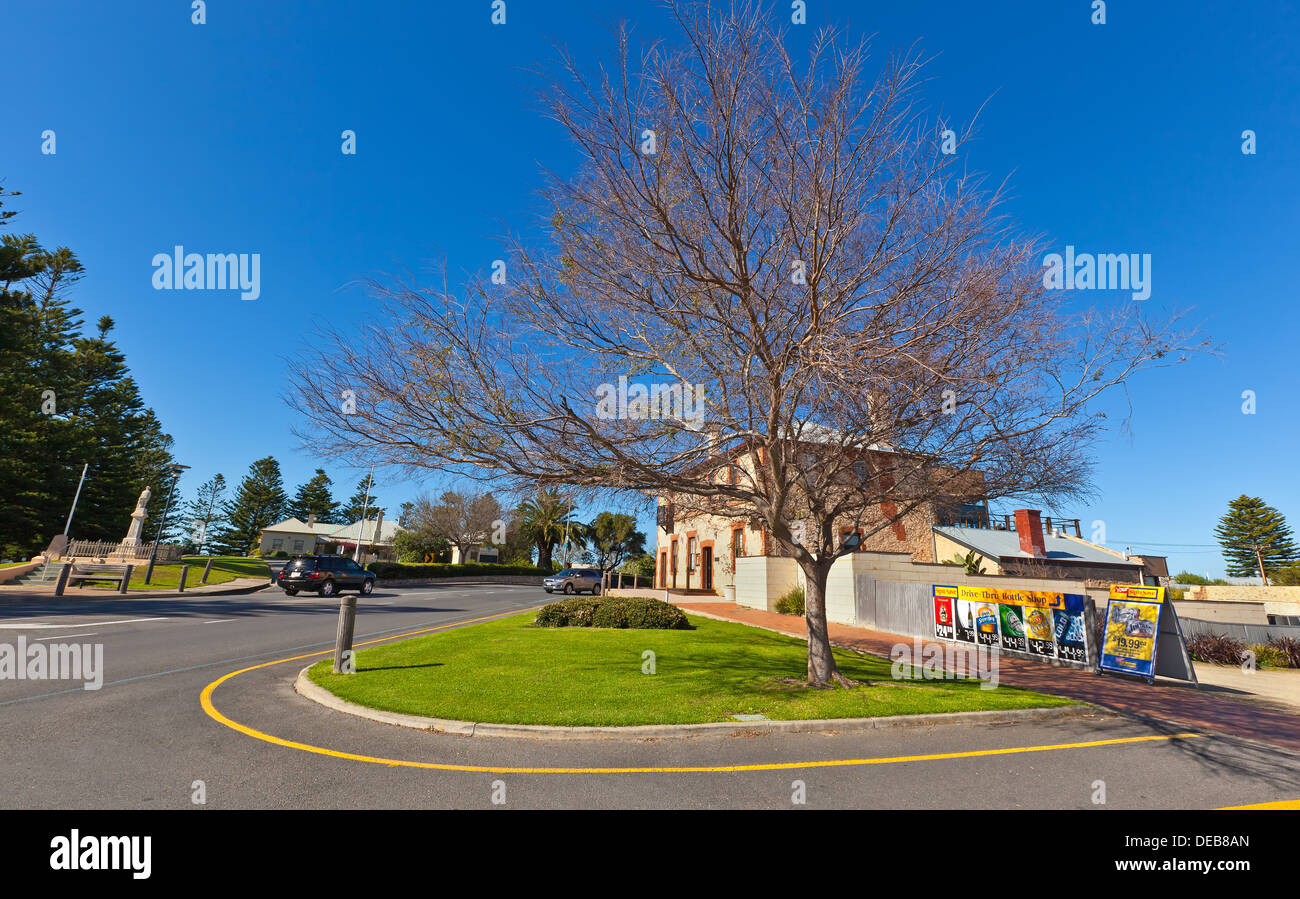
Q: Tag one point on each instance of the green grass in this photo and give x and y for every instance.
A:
(511, 672)
(11, 564)
(168, 576)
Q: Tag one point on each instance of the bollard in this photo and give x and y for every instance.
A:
(126, 578)
(185, 569)
(206, 568)
(62, 582)
(343, 637)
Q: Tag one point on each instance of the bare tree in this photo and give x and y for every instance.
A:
(464, 519)
(784, 243)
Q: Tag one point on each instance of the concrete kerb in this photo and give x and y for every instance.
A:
(237, 587)
(304, 687)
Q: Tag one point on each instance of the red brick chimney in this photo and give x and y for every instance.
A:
(1029, 527)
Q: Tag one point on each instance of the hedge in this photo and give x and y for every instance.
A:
(615, 611)
(397, 571)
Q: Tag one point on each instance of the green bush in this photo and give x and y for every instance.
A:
(791, 602)
(576, 612)
(617, 612)
(397, 571)
(1269, 656)
(1288, 648)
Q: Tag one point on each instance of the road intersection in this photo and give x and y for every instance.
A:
(145, 739)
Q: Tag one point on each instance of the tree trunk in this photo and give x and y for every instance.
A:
(822, 671)
(544, 555)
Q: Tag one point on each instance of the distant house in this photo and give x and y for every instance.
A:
(293, 536)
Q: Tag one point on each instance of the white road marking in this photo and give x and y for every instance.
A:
(23, 627)
(220, 620)
(62, 636)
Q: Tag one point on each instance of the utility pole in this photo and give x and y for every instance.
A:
(365, 509)
(68, 524)
(1259, 557)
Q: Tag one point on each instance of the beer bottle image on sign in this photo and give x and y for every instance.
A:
(986, 625)
(1013, 628)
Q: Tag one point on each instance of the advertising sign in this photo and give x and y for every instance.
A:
(1012, 621)
(1132, 623)
(1033, 621)
(965, 620)
(986, 623)
(1038, 631)
(1068, 629)
(944, 600)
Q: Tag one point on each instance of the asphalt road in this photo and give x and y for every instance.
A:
(143, 740)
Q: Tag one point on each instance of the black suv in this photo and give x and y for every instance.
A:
(325, 575)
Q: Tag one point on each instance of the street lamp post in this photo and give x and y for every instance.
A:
(162, 525)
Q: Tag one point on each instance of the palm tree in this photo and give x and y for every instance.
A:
(544, 519)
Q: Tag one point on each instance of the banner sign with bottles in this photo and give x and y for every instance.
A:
(1030, 621)
(1132, 625)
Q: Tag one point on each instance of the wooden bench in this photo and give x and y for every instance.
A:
(90, 572)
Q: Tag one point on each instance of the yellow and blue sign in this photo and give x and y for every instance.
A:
(1132, 628)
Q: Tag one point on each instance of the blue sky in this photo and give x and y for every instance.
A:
(225, 137)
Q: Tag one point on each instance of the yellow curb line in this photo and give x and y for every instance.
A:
(205, 699)
(1280, 804)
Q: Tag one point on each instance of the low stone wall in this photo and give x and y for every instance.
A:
(17, 571)
(1276, 600)
(522, 580)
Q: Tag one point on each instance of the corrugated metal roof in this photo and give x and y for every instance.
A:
(1006, 545)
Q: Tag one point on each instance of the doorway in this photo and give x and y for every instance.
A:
(706, 562)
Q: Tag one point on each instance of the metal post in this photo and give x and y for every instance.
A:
(206, 570)
(68, 524)
(64, 570)
(343, 637)
(185, 569)
(126, 578)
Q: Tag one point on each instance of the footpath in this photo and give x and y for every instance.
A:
(1171, 703)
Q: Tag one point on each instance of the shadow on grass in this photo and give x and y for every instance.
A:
(363, 669)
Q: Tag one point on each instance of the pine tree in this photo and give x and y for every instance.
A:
(315, 498)
(259, 501)
(65, 400)
(203, 516)
(1251, 523)
(351, 511)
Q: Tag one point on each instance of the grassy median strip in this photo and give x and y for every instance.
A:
(511, 672)
(168, 576)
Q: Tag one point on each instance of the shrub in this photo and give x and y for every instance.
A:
(617, 612)
(1287, 648)
(1217, 648)
(576, 612)
(398, 571)
(791, 602)
(1268, 656)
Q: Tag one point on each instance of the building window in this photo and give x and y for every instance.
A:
(690, 553)
(277, 544)
(674, 545)
(297, 546)
(737, 543)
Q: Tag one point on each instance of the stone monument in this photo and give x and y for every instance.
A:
(137, 520)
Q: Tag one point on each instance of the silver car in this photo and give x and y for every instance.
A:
(573, 580)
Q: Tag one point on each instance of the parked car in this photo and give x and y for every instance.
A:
(325, 575)
(573, 580)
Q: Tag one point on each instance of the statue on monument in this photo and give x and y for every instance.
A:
(137, 519)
